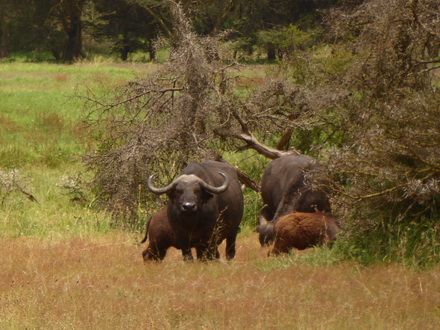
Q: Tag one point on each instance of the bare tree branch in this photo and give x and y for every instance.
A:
(252, 142)
(261, 148)
(285, 139)
(243, 177)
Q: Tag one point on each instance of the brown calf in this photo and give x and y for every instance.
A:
(304, 230)
(161, 237)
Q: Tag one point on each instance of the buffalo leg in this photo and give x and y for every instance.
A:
(201, 253)
(280, 246)
(154, 253)
(187, 254)
(185, 246)
(230, 246)
(207, 253)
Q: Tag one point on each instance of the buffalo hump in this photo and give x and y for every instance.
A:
(286, 186)
(291, 183)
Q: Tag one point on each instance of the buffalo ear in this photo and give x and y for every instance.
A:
(171, 193)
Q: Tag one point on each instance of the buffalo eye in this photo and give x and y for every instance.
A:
(173, 193)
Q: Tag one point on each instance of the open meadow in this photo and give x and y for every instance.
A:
(63, 265)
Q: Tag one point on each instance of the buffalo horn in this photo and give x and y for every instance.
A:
(263, 221)
(216, 190)
(159, 190)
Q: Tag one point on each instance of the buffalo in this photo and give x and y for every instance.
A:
(205, 207)
(303, 230)
(285, 188)
(161, 237)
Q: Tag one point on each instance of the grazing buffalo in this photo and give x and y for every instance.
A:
(205, 207)
(285, 188)
(160, 236)
(304, 230)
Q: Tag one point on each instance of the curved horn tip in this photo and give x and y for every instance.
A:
(216, 190)
(150, 180)
(262, 220)
(225, 184)
(158, 190)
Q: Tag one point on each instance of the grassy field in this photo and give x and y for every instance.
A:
(64, 266)
(42, 141)
(102, 283)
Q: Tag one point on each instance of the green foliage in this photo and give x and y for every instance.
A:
(287, 41)
(253, 165)
(410, 242)
(318, 256)
(72, 30)
(334, 59)
(370, 112)
(28, 56)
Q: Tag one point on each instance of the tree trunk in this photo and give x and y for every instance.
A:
(4, 48)
(73, 46)
(125, 48)
(152, 51)
(124, 53)
(69, 14)
(271, 54)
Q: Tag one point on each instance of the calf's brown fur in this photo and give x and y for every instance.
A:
(304, 230)
(161, 237)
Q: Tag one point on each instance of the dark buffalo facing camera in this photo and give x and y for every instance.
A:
(205, 207)
(285, 188)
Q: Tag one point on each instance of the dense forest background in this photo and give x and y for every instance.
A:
(70, 30)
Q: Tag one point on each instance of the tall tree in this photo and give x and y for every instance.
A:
(66, 16)
(4, 47)
(212, 16)
(10, 12)
(160, 11)
(129, 25)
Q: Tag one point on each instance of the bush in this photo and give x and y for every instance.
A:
(158, 124)
(387, 171)
(368, 106)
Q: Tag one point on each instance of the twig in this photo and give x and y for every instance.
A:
(30, 196)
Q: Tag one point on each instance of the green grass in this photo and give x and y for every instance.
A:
(41, 136)
(40, 109)
(53, 215)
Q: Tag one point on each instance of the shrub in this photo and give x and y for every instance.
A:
(159, 124)
(387, 171)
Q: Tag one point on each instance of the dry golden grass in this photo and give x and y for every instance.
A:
(103, 283)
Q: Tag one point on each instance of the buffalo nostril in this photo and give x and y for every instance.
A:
(189, 206)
